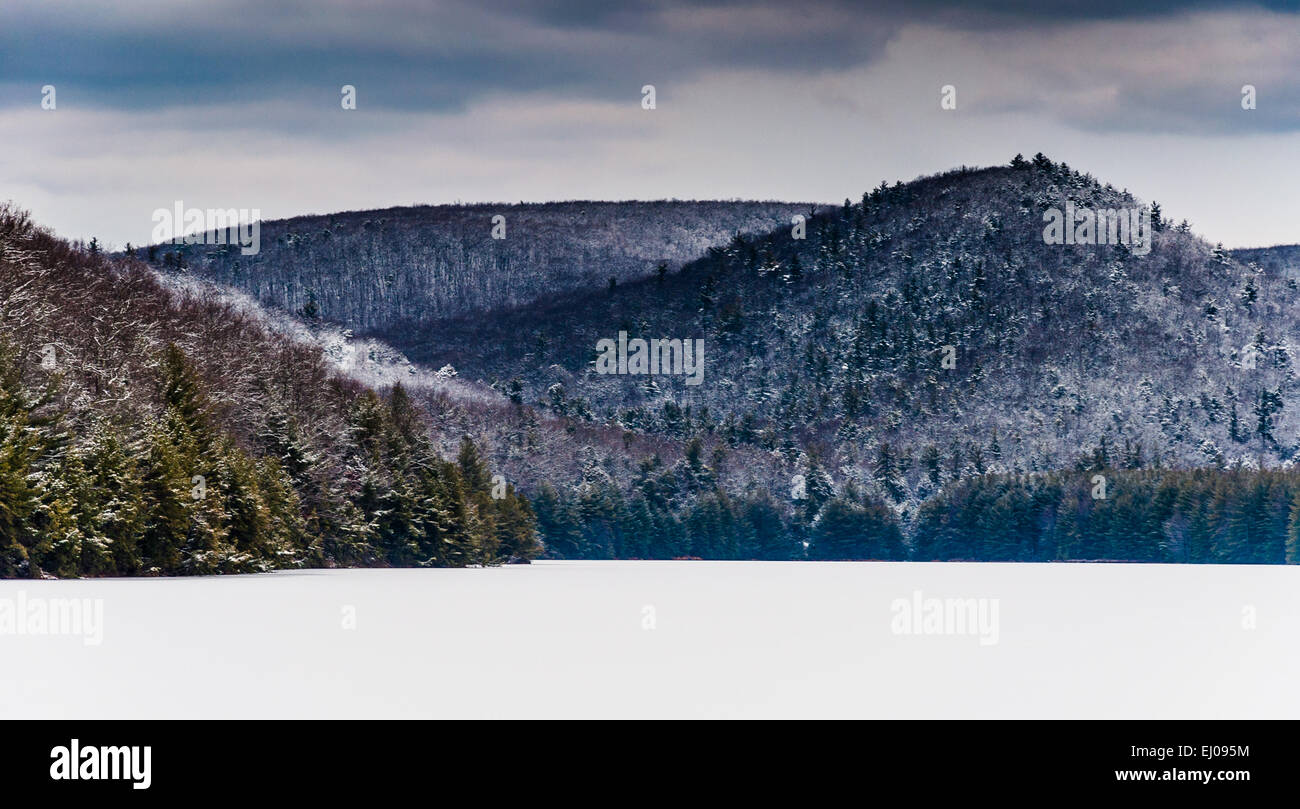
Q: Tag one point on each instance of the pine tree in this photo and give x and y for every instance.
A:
(18, 497)
(115, 498)
(1249, 293)
(165, 494)
(311, 310)
(183, 395)
(846, 530)
(932, 461)
(516, 534)
(886, 471)
(557, 523)
(405, 418)
(1293, 532)
(639, 531)
(473, 470)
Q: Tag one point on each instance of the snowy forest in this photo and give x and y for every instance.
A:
(910, 375)
(375, 270)
(826, 378)
(145, 431)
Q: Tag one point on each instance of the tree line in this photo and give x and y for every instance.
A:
(145, 431)
(1232, 516)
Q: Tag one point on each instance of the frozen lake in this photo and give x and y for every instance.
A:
(665, 639)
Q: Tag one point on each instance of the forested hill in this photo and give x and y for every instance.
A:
(1283, 259)
(376, 270)
(925, 332)
(914, 374)
(148, 430)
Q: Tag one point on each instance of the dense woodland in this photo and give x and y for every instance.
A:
(1205, 515)
(825, 354)
(144, 431)
(377, 270)
(919, 377)
(1283, 259)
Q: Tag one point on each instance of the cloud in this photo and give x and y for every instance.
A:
(1180, 74)
(406, 55)
(236, 104)
(150, 54)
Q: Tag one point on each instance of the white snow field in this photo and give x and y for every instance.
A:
(664, 639)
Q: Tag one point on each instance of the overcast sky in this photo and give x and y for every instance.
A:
(236, 104)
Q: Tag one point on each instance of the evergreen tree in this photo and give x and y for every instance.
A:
(846, 530)
(886, 471)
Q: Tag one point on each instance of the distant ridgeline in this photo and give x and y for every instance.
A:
(977, 365)
(1282, 260)
(145, 431)
(1094, 514)
(901, 368)
(380, 270)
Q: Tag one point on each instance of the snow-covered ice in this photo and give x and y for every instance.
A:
(668, 639)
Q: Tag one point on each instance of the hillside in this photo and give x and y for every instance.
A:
(379, 270)
(916, 375)
(1282, 259)
(833, 346)
(150, 429)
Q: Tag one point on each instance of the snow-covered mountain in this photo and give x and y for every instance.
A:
(377, 270)
(871, 380)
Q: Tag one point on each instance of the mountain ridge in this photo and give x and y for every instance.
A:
(385, 268)
(830, 424)
(149, 428)
(1202, 284)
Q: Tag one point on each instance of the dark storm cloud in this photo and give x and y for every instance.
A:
(236, 102)
(438, 56)
(405, 55)
(409, 55)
